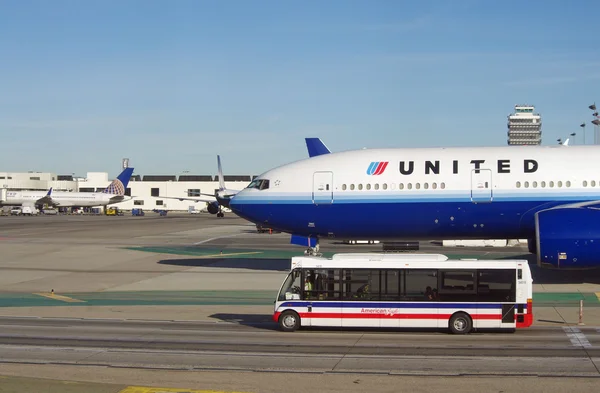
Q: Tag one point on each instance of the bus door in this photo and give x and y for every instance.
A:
(323, 188)
(481, 186)
(496, 293)
(323, 298)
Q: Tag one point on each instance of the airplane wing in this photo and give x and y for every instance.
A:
(46, 199)
(316, 147)
(195, 199)
(120, 198)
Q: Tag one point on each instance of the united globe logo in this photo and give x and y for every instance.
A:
(116, 188)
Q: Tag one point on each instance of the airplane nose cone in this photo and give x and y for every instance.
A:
(235, 206)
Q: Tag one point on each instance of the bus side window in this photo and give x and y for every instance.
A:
(496, 285)
(358, 284)
(326, 284)
(418, 284)
(457, 285)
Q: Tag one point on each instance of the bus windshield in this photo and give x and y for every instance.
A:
(291, 287)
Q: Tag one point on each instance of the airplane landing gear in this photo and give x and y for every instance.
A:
(220, 214)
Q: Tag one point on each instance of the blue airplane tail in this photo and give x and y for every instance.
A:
(316, 147)
(118, 186)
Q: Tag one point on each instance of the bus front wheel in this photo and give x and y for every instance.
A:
(460, 323)
(289, 321)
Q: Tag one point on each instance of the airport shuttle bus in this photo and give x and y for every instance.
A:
(405, 291)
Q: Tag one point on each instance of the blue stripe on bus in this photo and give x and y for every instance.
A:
(350, 304)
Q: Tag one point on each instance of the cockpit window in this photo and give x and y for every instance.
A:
(261, 184)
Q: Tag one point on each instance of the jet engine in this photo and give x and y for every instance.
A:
(212, 207)
(568, 237)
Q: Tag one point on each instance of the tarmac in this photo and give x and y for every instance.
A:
(201, 269)
(176, 267)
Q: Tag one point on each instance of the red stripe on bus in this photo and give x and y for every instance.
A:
(384, 316)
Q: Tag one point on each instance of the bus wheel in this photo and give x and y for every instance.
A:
(460, 323)
(289, 321)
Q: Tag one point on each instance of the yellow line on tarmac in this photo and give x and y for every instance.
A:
(142, 389)
(598, 295)
(54, 296)
(230, 254)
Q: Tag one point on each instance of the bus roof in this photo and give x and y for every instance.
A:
(401, 261)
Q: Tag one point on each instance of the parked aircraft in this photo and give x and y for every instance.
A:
(114, 193)
(219, 202)
(547, 194)
(216, 203)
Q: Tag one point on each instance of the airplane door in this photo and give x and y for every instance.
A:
(323, 188)
(481, 186)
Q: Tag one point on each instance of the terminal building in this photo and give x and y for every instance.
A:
(147, 191)
(524, 126)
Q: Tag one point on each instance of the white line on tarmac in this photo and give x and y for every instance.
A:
(578, 339)
(217, 238)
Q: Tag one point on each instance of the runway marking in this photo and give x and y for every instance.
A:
(217, 238)
(578, 339)
(59, 297)
(142, 389)
(229, 254)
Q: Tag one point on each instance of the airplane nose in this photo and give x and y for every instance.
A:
(235, 206)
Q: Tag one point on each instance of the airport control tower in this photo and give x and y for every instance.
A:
(524, 126)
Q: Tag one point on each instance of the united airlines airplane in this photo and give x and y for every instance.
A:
(114, 193)
(549, 195)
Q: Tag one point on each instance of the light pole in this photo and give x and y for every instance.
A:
(595, 122)
(574, 139)
(582, 125)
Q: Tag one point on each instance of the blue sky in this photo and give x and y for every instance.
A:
(170, 84)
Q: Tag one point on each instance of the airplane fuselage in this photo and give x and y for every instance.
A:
(435, 193)
(63, 199)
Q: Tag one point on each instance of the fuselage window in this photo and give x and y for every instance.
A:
(442, 185)
(534, 184)
(377, 186)
(585, 183)
(543, 184)
(352, 186)
(344, 187)
(368, 186)
(434, 186)
(551, 184)
(409, 186)
(384, 186)
(426, 186)
(393, 186)
(418, 186)
(401, 186)
(518, 184)
(593, 183)
(360, 186)
(568, 183)
(526, 184)
(559, 184)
